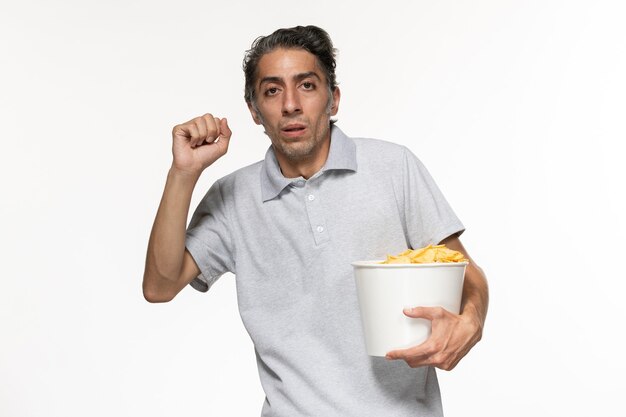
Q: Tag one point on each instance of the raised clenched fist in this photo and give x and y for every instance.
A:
(199, 142)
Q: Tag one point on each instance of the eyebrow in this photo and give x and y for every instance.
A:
(297, 77)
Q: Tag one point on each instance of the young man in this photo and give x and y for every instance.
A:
(288, 228)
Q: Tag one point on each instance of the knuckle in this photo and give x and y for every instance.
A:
(438, 359)
(209, 120)
(436, 348)
(211, 131)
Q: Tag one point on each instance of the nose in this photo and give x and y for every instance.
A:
(291, 102)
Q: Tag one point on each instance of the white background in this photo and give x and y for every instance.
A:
(517, 109)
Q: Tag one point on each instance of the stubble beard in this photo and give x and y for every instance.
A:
(301, 150)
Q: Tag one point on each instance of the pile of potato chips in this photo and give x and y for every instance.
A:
(429, 254)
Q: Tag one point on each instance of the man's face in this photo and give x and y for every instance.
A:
(294, 103)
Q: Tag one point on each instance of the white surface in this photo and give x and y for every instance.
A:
(385, 290)
(516, 107)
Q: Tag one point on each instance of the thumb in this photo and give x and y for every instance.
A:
(225, 131)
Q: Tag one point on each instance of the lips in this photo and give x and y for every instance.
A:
(293, 130)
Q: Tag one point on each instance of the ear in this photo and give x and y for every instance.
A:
(336, 97)
(253, 112)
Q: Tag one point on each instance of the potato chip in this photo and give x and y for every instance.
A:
(397, 259)
(428, 254)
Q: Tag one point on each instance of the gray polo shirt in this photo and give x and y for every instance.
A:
(290, 242)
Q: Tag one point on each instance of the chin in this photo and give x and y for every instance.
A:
(296, 151)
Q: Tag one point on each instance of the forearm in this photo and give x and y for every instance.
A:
(475, 300)
(166, 247)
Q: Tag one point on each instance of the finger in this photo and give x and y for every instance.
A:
(185, 130)
(212, 128)
(416, 356)
(194, 135)
(218, 128)
(429, 313)
(418, 350)
(202, 130)
(181, 131)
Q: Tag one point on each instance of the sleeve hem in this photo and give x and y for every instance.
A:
(207, 277)
(452, 229)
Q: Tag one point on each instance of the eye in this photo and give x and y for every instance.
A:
(271, 91)
(308, 85)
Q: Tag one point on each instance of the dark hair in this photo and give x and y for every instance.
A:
(309, 38)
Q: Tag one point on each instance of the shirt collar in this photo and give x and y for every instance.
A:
(341, 156)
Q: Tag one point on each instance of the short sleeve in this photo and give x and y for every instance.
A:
(209, 241)
(429, 218)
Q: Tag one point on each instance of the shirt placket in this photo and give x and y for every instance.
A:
(315, 213)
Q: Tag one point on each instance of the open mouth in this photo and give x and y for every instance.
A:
(293, 129)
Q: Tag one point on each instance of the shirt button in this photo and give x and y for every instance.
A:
(299, 183)
(311, 197)
(320, 229)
